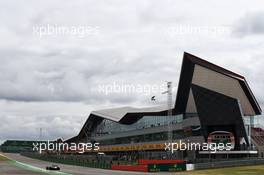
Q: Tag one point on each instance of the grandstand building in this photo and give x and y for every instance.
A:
(212, 104)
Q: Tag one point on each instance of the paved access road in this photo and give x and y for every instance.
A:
(73, 170)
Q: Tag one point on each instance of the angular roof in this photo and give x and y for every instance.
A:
(117, 114)
(191, 63)
(124, 115)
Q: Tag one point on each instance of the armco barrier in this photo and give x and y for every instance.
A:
(141, 168)
(148, 161)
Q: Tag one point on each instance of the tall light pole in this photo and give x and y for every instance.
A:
(169, 103)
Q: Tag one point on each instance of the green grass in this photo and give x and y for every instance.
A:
(242, 170)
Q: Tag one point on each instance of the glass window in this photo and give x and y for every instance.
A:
(109, 127)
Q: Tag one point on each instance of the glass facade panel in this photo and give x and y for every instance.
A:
(110, 127)
(143, 138)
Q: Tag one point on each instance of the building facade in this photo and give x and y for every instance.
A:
(212, 104)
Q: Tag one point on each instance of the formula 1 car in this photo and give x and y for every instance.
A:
(53, 167)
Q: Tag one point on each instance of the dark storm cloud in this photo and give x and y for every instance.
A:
(250, 24)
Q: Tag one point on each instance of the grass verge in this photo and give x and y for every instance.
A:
(242, 170)
(3, 158)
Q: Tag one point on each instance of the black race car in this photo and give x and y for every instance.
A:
(53, 167)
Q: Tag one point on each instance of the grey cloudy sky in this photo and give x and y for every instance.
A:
(51, 81)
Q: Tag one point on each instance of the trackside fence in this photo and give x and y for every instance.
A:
(221, 164)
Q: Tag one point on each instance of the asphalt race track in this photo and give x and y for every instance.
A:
(65, 169)
(6, 168)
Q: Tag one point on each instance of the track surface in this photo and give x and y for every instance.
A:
(74, 170)
(6, 168)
